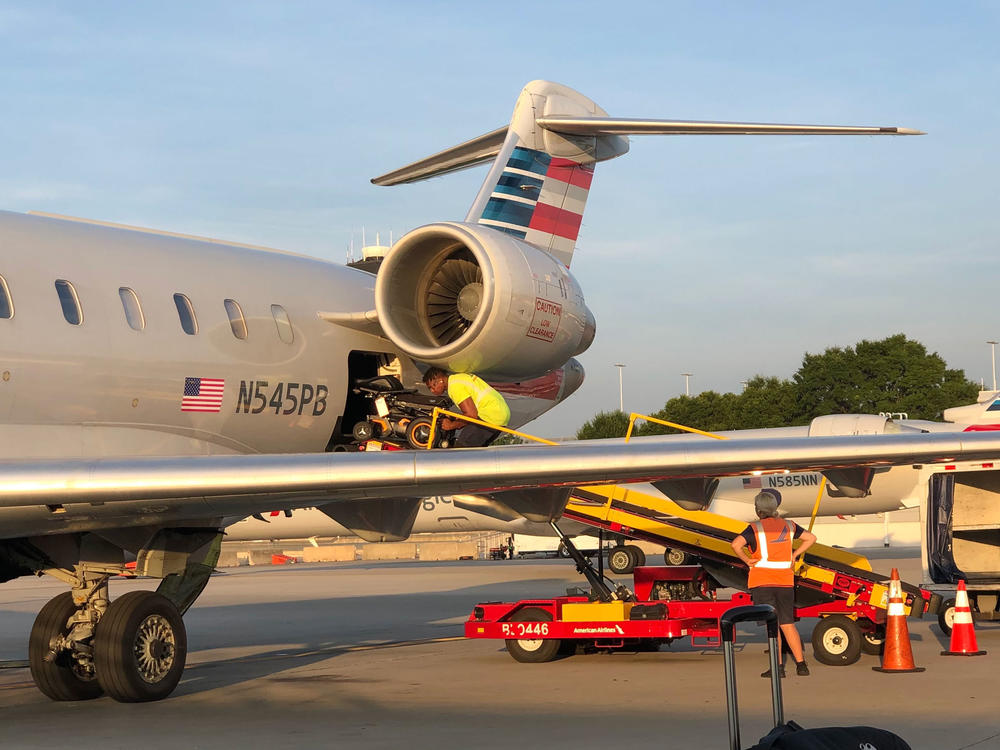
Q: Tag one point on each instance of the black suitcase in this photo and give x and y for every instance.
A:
(789, 736)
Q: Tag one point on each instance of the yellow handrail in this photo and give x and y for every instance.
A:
(633, 417)
(438, 412)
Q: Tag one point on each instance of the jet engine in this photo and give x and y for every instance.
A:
(470, 298)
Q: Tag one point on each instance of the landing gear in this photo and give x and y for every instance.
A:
(140, 647)
(134, 648)
(675, 557)
(623, 560)
(61, 675)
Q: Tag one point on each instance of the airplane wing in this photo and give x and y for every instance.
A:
(53, 496)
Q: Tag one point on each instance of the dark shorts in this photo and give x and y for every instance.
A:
(475, 436)
(782, 598)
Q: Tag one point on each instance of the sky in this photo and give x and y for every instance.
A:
(724, 257)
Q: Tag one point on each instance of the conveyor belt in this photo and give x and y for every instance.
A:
(826, 572)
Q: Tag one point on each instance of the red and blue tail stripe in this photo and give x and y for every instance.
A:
(540, 199)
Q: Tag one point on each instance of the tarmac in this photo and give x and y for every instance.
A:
(370, 655)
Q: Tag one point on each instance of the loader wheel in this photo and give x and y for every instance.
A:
(418, 433)
(836, 641)
(638, 556)
(946, 616)
(872, 641)
(364, 430)
(675, 557)
(533, 650)
(140, 647)
(63, 678)
(620, 560)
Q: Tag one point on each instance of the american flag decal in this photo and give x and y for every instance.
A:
(752, 483)
(203, 394)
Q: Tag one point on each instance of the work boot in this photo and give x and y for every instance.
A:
(767, 674)
(802, 669)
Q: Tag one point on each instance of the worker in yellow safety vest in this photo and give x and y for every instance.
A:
(475, 398)
(771, 579)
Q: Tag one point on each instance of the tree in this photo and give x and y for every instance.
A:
(709, 411)
(895, 374)
(606, 424)
(766, 402)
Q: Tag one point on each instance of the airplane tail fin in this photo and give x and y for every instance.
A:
(543, 161)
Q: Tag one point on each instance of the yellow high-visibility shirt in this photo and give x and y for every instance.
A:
(490, 404)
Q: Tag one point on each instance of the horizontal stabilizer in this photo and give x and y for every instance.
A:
(571, 125)
(469, 154)
(366, 322)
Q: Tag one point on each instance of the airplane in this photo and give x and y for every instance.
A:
(439, 514)
(887, 489)
(154, 384)
(892, 488)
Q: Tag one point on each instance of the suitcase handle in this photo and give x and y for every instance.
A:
(727, 626)
(751, 613)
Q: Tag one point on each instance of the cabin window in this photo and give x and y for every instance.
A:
(284, 324)
(236, 319)
(6, 306)
(185, 311)
(70, 302)
(133, 310)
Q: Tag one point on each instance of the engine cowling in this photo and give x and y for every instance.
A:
(469, 298)
(856, 424)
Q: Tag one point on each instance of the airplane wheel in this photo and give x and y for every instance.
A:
(533, 650)
(946, 616)
(675, 557)
(621, 560)
(836, 640)
(418, 433)
(638, 556)
(563, 550)
(140, 647)
(872, 641)
(64, 679)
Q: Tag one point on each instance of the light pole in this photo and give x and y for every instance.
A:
(621, 391)
(687, 382)
(993, 357)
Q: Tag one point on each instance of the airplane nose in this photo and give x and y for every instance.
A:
(573, 375)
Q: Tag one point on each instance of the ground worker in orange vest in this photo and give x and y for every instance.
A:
(772, 579)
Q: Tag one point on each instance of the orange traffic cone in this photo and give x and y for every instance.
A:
(897, 655)
(963, 635)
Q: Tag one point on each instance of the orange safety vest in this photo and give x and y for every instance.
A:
(772, 563)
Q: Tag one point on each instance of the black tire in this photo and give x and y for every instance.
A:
(620, 560)
(836, 641)
(418, 433)
(63, 679)
(638, 556)
(363, 431)
(872, 641)
(533, 650)
(946, 616)
(140, 647)
(563, 550)
(675, 557)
